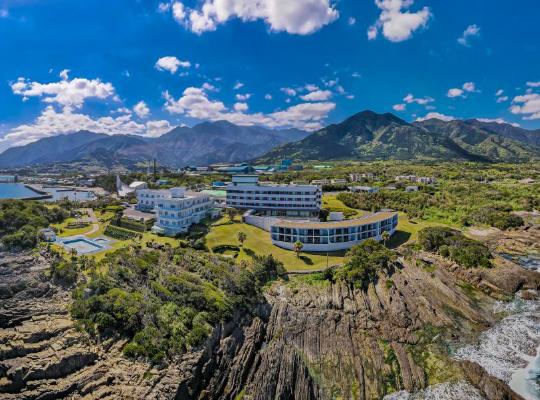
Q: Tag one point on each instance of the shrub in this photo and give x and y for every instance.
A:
(120, 233)
(452, 244)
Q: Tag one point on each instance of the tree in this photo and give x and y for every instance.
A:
(231, 213)
(298, 246)
(385, 236)
(241, 236)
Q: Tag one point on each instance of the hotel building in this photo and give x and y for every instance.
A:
(332, 235)
(245, 192)
(147, 198)
(178, 210)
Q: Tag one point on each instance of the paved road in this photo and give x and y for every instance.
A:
(93, 219)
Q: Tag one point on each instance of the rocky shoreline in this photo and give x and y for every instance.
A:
(307, 341)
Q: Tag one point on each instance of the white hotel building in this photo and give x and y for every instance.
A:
(176, 210)
(147, 198)
(246, 193)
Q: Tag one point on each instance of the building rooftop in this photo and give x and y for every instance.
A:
(336, 224)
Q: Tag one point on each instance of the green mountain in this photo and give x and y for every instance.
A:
(371, 136)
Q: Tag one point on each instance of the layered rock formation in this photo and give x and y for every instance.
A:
(309, 340)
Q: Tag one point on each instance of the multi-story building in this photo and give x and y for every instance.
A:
(147, 198)
(179, 209)
(332, 235)
(8, 178)
(245, 192)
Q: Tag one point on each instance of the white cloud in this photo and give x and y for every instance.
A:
(240, 107)
(209, 87)
(454, 92)
(64, 74)
(67, 93)
(268, 96)
(296, 17)
(195, 103)
(436, 115)
(468, 87)
(164, 7)
(528, 105)
(179, 13)
(421, 100)
(51, 123)
(498, 121)
(141, 109)
(395, 22)
(238, 85)
(533, 84)
(356, 75)
(499, 92)
(399, 107)
(351, 21)
(318, 95)
(288, 91)
(502, 99)
(4, 13)
(311, 88)
(157, 128)
(243, 97)
(470, 32)
(350, 96)
(171, 64)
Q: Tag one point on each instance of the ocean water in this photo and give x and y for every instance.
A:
(510, 350)
(15, 191)
(444, 391)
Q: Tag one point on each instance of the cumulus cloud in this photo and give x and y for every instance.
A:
(195, 103)
(243, 97)
(268, 96)
(436, 115)
(468, 87)
(238, 85)
(420, 100)
(300, 17)
(395, 22)
(399, 107)
(52, 122)
(141, 109)
(289, 91)
(171, 64)
(351, 21)
(533, 84)
(67, 93)
(317, 95)
(498, 121)
(527, 105)
(471, 32)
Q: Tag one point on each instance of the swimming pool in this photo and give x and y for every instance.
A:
(82, 246)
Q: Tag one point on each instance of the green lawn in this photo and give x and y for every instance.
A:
(258, 242)
(407, 230)
(65, 231)
(331, 203)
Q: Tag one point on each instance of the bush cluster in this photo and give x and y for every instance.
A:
(120, 233)
(492, 216)
(20, 221)
(451, 244)
(166, 301)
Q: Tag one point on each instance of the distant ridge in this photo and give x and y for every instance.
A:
(205, 143)
(371, 136)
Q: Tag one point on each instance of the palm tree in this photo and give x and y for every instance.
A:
(298, 246)
(241, 236)
(231, 213)
(385, 236)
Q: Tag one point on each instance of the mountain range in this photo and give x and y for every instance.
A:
(363, 136)
(371, 136)
(203, 144)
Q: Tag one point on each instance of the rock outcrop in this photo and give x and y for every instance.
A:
(309, 340)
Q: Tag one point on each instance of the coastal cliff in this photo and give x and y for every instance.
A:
(309, 339)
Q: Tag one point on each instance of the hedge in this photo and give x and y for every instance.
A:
(120, 233)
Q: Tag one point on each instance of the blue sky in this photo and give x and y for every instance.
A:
(142, 67)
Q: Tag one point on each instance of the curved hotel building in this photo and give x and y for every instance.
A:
(332, 235)
(245, 192)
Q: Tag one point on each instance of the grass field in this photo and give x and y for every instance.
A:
(331, 203)
(407, 230)
(65, 231)
(258, 242)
